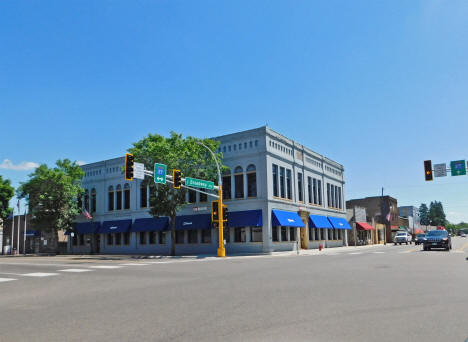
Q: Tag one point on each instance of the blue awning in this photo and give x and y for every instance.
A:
(185, 222)
(120, 226)
(339, 223)
(246, 218)
(286, 218)
(33, 233)
(87, 227)
(319, 221)
(150, 224)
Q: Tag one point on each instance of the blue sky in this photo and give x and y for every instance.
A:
(378, 86)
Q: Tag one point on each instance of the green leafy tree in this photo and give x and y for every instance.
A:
(180, 153)
(6, 194)
(52, 195)
(437, 214)
(424, 214)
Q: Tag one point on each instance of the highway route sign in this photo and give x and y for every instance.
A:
(458, 168)
(160, 173)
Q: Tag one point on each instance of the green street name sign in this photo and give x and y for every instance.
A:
(458, 168)
(199, 183)
(160, 173)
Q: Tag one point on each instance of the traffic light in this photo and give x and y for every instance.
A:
(225, 212)
(176, 178)
(215, 211)
(428, 170)
(129, 161)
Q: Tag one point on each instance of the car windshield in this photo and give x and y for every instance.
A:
(401, 234)
(421, 235)
(437, 233)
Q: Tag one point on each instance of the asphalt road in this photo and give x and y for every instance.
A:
(381, 293)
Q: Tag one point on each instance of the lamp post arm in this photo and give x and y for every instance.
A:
(220, 180)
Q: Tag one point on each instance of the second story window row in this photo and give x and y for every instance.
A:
(282, 182)
(314, 190)
(334, 196)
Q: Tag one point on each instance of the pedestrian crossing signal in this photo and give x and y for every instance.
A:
(428, 170)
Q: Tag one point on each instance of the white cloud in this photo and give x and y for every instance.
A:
(80, 162)
(23, 166)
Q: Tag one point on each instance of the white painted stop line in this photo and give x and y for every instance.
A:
(2, 280)
(39, 274)
(105, 267)
(134, 264)
(75, 270)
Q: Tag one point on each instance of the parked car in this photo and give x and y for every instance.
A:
(463, 235)
(402, 237)
(420, 239)
(437, 239)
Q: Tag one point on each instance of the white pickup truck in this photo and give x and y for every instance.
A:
(402, 237)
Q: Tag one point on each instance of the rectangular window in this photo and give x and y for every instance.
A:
(282, 182)
(288, 184)
(192, 196)
(142, 238)
(118, 238)
(284, 234)
(152, 238)
(292, 233)
(227, 187)
(252, 184)
(311, 233)
(203, 197)
(162, 238)
(126, 238)
(111, 201)
(299, 187)
(143, 197)
(309, 189)
(256, 234)
(227, 234)
(179, 236)
(328, 195)
(338, 234)
(206, 235)
(192, 236)
(239, 234)
(330, 234)
(110, 239)
(81, 239)
(336, 196)
(275, 180)
(332, 194)
(315, 191)
(239, 185)
(317, 234)
(319, 191)
(274, 233)
(339, 198)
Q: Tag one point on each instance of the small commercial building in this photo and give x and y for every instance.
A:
(281, 196)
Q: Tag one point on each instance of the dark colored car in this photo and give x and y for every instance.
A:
(420, 239)
(437, 239)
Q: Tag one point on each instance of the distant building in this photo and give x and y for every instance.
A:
(412, 214)
(380, 209)
(280, 195)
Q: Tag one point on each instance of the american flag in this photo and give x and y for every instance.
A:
(388, 217)
(87, 215)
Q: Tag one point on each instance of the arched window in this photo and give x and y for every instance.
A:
(93, 200)
(110, 197)
(238, 182)
(227, 184)
(127, 196)
(86, 200)
(118, 193)
(143, 195)
(251, 181)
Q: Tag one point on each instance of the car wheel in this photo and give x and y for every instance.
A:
(407, 243)
(395, 243)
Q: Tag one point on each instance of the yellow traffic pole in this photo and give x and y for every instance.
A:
(221, 249)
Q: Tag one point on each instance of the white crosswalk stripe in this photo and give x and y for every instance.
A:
(75, 270)
(39, 274)
(3, 280)
(134, 264)
(106, 267)
(355, 253)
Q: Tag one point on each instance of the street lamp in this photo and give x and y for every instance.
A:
(221, 249)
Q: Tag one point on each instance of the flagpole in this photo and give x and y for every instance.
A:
(19, 221)
(24, 237)
(12, 231)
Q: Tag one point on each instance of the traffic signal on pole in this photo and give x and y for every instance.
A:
(428, 170)
(129, 162)
(176, 178)
(225, 212)
(215, 211)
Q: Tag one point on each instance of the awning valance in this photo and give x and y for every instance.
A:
(364, 226)
(87, 227)
(120, 226)
(319, 221)
(150, 224)
(246, 218)
(286, 218)
(186, 222)
(339, 223)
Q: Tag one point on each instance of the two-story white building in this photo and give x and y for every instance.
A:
(281, 196)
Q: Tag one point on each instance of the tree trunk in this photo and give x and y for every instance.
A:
(173, 226)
